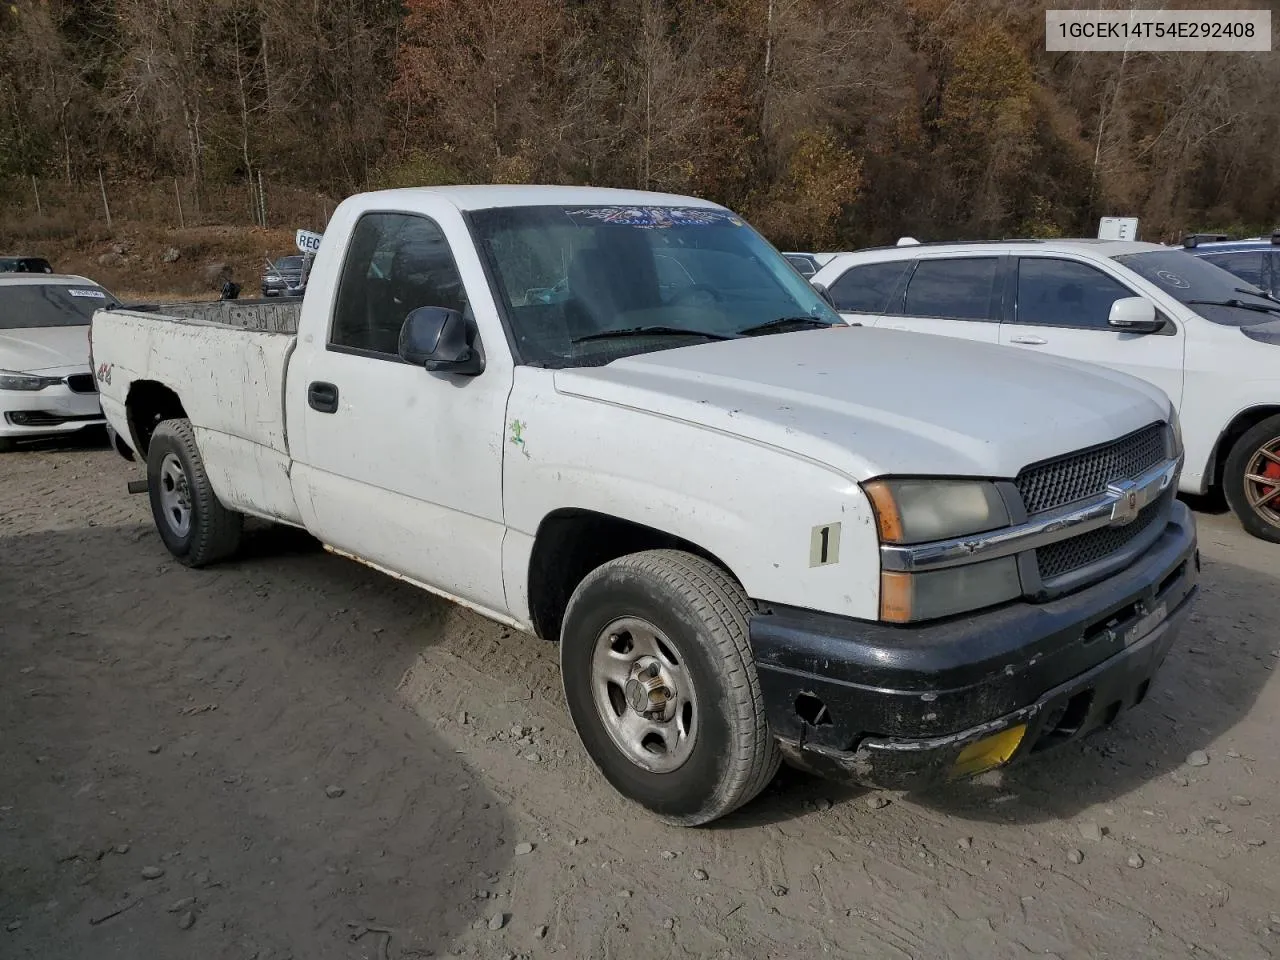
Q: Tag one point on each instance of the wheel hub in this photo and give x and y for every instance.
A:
(649, 692)
(644, 695)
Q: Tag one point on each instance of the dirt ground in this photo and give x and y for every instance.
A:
(309, 754)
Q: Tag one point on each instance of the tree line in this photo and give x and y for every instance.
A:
(827, 122)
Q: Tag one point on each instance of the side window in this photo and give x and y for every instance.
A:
(1064, 293)
(396, 262)
(867, 289)
(804, 266)
(1246, 265)
(957, 288)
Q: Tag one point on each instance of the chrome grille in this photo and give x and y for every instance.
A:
(1067, 556)
(1064, 480)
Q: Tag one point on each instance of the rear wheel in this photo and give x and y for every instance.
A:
(1251, 480)
(5, 444)
(662, 687)
(192, 522)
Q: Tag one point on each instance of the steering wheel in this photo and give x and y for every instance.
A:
(699, 294)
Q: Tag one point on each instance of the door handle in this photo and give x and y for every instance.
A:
(323, 397)
(1029, 341)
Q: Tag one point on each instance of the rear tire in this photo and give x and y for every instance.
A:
(190, 518)
(6, 444)
(667, 631)
(1255, 459)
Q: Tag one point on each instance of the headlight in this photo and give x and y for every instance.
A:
(12, 380)
(921, 511)
(1175, 426)
(917, 511)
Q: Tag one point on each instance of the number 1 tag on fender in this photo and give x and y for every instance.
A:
(824, 545)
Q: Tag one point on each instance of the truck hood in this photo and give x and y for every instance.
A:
(870, 402)
(35, 349)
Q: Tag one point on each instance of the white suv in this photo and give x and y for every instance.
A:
(1210, 340)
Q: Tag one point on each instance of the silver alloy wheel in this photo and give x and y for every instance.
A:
(175, 495)
(644, 695)
(1262, 481)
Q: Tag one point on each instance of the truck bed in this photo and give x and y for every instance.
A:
(226, 361)
(263, 316)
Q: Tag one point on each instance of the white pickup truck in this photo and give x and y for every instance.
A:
(621, 421)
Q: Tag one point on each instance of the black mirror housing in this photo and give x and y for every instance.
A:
(824, 293)
(441, 340)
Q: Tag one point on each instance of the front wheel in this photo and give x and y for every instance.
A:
(190, 518)
(1251, 480)
(662, 687)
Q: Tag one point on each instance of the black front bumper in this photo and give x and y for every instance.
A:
(895, 707)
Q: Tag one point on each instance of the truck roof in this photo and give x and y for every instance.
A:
(516, 195)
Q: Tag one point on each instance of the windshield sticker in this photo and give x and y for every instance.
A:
(656, 217)
(1171, 279)
(91, 294)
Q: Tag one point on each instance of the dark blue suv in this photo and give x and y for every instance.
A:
(1256, 261)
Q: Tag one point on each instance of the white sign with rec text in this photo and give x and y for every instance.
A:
(307, 241)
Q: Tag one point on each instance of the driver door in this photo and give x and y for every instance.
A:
(398, 466)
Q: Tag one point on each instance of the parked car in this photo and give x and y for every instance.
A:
(46, 384)
(1206, 338)
(805, 263)
(754, 531)
(284, 277)
(1256, 261)
(25, 265)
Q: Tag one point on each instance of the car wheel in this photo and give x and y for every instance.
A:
(6, 444)
(192, 522)
(1251, 480)
(662, 687)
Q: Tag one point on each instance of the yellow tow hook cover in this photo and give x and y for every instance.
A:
(988, 752)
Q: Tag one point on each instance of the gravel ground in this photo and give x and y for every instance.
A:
(292, 756)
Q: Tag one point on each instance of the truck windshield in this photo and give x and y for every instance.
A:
(569, 276)
(27, 305)
(1194, 281)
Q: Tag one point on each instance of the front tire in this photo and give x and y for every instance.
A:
(190, 518)
(1251, 480)
(662, 687)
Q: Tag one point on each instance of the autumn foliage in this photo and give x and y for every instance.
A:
(828, 122)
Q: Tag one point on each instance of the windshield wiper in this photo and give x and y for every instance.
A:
(657, 331)
(1257, 293)
(1255, 307)
(771, 326)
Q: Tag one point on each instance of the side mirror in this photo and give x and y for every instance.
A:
(440, 340)
(824, 293)
(1134, 315)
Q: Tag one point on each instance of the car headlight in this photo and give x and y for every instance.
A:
(918, 511)
(1175, 426)
(13, 380)
(921, 511)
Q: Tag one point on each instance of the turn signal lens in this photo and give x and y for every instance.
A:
(908, 597)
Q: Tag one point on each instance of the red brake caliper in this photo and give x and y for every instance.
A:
(1272, 469)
